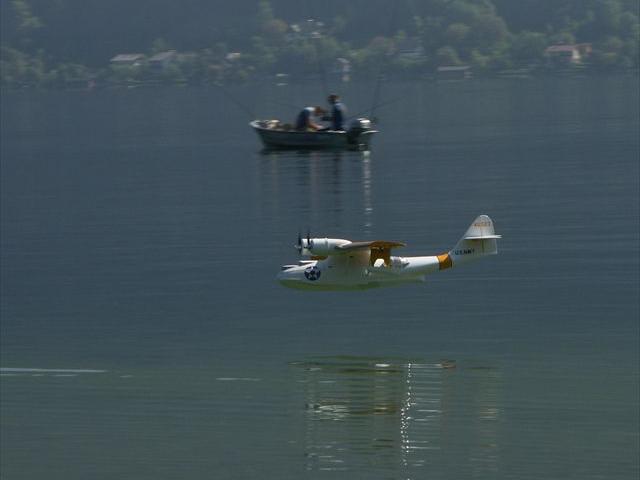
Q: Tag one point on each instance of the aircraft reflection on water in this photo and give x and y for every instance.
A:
(406, 414)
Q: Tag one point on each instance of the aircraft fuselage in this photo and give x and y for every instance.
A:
(349, 275)
(339, 264)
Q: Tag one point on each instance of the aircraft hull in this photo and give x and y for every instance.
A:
(323, 276)
(328, 287)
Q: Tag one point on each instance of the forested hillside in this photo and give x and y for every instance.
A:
(61, 41)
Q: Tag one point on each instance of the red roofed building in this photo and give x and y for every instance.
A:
(568, 54)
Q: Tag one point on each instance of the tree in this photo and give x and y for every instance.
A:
(489, 30)
(528, 47)
(24, 22)
(456, 33)
(562, 38)
(159, 45)
(338, 25)
(265, 13)
(463, 11)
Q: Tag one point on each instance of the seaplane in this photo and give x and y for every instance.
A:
(339, 264)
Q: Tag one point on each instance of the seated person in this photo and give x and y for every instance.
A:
(338, 113)
(305, 121)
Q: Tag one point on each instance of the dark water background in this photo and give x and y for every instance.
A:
(142, 230)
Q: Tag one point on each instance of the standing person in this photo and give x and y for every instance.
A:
(338, 112)
(304, 121)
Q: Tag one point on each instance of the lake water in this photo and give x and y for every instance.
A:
(143, 334)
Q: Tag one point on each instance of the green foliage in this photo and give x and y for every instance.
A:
(528, 48)
(489, 31)
(338, 25)
(19, 22)
(18, 69)
(68, 42)
(159, 45)
(376, 54)
(265, 13)
(457, 34)
(271, 28)
(26, 21)
(69, 74)
(562, 38)
(125, 74)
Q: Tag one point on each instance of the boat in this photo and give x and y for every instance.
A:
(277, 135)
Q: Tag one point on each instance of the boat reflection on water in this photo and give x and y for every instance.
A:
(335, 183)
(400, 415)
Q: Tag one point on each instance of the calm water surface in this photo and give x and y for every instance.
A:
(143, 334)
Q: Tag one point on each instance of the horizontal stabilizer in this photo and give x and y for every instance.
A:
(483, 237)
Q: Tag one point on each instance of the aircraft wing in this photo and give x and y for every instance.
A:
(379, 249)
(372, 245)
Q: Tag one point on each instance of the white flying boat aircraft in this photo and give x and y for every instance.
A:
(338, 264)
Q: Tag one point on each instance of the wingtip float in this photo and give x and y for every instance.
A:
(339, 264)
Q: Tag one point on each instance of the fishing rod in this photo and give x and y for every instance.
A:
(283, 104)
(376, 90)
(380, 104)
(316, 40)
(237, 102)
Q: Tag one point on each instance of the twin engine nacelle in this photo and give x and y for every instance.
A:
(321, 247)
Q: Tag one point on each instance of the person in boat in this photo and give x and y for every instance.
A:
(338, 113)
(305, 120)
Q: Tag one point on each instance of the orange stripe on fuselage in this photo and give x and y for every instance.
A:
(444, 261)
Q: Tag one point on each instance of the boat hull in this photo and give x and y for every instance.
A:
(328, 139)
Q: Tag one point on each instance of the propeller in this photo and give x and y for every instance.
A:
(298, 245)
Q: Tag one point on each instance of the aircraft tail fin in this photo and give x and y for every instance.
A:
(479, 240)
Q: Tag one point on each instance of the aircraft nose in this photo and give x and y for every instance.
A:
(286, 274)
(289, 277)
